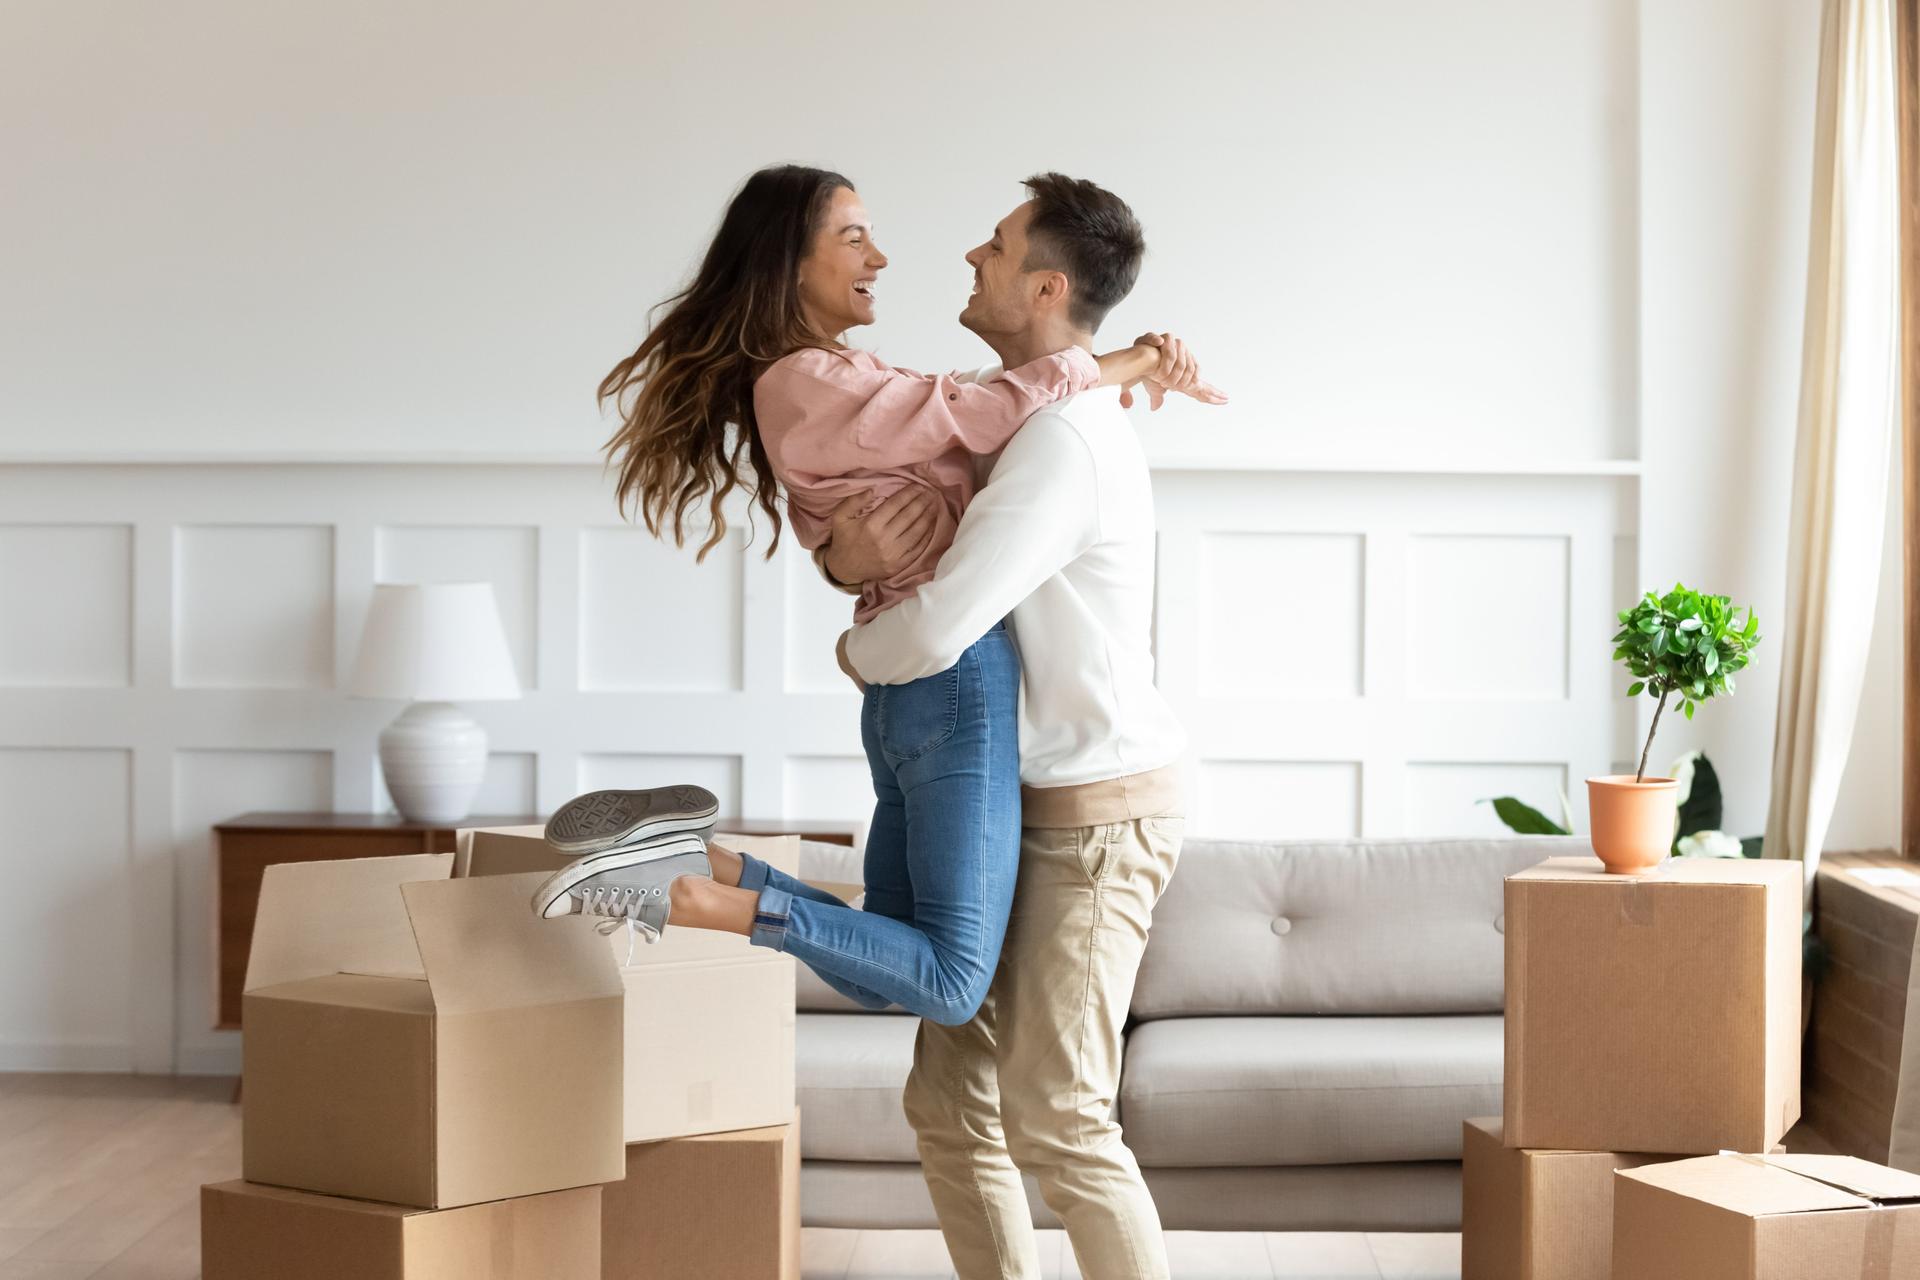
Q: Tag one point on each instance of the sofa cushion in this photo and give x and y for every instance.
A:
(1350, 926)
(1211, 1092)
(849, 1073)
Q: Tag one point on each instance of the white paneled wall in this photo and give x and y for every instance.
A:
(1355, 654)
(1370, 654)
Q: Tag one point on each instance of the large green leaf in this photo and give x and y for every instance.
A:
(1524, 818)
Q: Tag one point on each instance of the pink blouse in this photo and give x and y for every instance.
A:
(840, 423)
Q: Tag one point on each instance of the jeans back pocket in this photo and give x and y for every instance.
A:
(918, 717)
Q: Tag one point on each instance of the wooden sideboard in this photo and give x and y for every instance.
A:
(244, 847)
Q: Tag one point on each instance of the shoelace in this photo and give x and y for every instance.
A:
(621, 905)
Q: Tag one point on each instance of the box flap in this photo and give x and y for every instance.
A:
(1675, 871)
(483, 947)
(356, 991)
(1850, 1173)
(1746, 1185)
(320, 918)
(467, 839)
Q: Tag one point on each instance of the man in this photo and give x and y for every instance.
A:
(1062, 539)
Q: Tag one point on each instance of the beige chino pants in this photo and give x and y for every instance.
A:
(1029, 1084)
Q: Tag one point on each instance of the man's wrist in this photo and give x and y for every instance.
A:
(826, 571)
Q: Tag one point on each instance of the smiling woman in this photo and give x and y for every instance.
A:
(842, 263)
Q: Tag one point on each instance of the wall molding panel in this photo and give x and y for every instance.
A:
(1354, 653)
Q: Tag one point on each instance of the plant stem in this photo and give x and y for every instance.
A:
(1651, 730)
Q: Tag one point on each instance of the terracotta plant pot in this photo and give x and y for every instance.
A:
(1633, 822)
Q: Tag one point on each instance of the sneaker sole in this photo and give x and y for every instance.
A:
(602, 820)
(553, 890)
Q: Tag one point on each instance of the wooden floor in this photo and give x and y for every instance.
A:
(100, 1179)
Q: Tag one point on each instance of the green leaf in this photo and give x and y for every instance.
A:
(1688, 710)
(1634, 690)
(1712, 656)
(1524, 818)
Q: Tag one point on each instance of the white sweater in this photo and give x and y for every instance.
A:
(1061, 542)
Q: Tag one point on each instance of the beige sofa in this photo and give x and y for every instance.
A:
(1312, 1023)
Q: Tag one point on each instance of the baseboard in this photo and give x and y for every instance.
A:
(18, 1055)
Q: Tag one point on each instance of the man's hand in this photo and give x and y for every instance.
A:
(886, 540)
(1178, 371)
(846, 664)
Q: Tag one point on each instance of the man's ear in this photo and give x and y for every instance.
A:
(1054, 290)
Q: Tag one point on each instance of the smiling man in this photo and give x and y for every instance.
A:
(1060, 541)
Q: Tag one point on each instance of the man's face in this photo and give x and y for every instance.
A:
(1005, 294)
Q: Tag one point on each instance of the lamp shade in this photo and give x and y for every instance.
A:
(434, 642)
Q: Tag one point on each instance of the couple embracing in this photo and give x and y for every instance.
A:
(997, 528)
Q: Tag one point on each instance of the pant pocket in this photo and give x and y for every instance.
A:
(915, 718)
(1095, 848)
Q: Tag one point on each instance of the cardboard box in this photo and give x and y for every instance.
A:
(1536, 1215)
(251, 1232)
(426, 1041)
(1774, 1217)
(720, 1207)
(709, 1017)
(1653, 1013)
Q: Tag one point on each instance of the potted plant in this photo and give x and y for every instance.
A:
(1683, 644)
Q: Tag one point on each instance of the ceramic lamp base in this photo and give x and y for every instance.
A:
(433, 758)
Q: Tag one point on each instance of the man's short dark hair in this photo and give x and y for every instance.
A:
(1089, 233)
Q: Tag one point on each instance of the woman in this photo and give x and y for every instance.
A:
(754, 341)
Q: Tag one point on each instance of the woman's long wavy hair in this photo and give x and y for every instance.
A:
(692, 377)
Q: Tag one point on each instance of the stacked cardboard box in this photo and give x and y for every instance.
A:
(1644, 1014)
(712, 1161)
(1790, 1217)
(433, 1081)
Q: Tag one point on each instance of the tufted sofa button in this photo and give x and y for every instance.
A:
(1282, 926)
(1500, 923)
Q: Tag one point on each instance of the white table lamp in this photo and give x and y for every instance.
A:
(431, 644)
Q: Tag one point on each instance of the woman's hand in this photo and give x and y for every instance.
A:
(883, 542)
(1176, 370)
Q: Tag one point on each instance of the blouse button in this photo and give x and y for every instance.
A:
(953, 395)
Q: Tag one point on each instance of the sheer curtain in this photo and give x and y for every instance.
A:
(1848, 408)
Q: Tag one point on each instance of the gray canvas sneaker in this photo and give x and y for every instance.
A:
(615, 819)
(626, 886)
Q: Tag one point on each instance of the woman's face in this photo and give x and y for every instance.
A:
(837, 275)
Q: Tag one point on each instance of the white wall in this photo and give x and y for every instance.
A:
(1470, 270)
(376, 228)
(1727, 93)
(191, 628)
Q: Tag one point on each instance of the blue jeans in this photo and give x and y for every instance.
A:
(942, 853)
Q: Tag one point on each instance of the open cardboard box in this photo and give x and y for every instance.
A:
(1653, 1013)
(1772, 1217)
(248, 1231)
(709, 1017)
(426, 1041)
